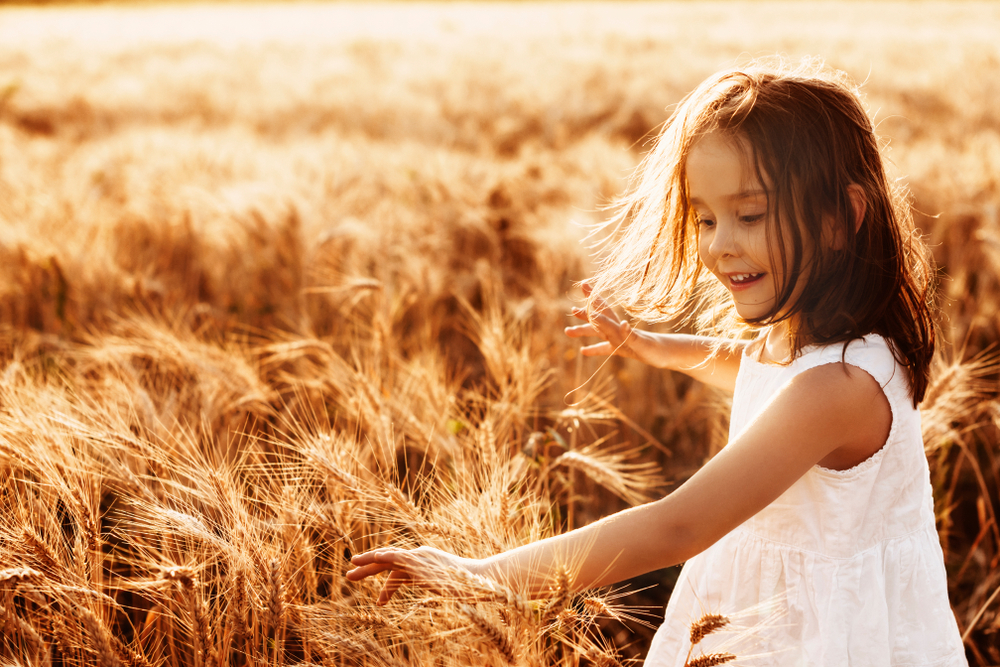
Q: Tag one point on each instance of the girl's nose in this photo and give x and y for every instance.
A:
(723, 243)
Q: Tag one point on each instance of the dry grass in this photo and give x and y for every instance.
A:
(282, 284)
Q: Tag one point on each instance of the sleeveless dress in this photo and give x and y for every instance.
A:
(844, 568)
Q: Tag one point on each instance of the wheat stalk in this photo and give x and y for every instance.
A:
(601, 658)
(710, 660)
(276, 609)
(203, 646)
(13, 625)
(560, 595)
(497, 637)
(101, 639)
(706, 625)
(45, 558)
(490, 589)
(19, 575)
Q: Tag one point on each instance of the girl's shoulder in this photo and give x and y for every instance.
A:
(874, 355)
(871, 353)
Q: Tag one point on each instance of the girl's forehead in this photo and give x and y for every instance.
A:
(721, 166)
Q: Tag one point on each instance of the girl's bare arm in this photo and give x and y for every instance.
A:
(823, 410)
(679, 352)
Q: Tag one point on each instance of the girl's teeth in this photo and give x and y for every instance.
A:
(742, 277)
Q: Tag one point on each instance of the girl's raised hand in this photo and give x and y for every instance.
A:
(427, 567)
(619, 336)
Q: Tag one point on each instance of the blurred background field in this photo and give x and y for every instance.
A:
(284, 282)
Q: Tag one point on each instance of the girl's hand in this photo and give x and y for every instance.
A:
(427, 567)
(619, 336)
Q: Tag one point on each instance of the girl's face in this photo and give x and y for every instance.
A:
(731, 205)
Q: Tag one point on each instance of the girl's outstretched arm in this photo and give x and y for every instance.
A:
(677, 352)
(834, 410)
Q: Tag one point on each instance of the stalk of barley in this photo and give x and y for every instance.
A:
(19, 575)
(416, 523)
(100, 638)
(490, 589)
(43, 613)
(364, 619)
(597, 606)
(361, 647)
(86, 519)
(187, 580)
(43, 555)
(204, 646)
(560, 595)
(184, 576)
(710, 660)
(131, 656)
(236, 632)
(504, 513)
(568, 619)
(497, 637)
(706, 625)
(60, 634)
(338, 476)
(276, 609)
(601, 658)
(13, 625)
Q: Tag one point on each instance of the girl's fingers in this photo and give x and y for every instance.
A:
(581, 330)
(379, 560)
(597, 350)
(370, 556)
(359, 573)
(396, 579)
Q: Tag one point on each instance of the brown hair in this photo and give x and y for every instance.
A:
(809, 138)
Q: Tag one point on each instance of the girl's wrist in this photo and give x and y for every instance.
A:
(479, 567)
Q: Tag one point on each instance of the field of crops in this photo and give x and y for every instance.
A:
(282, 283)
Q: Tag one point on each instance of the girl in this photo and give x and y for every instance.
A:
(765, 201)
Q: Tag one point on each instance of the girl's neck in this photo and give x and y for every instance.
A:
(777, 347)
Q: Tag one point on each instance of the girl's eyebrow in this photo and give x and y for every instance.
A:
(744, 194)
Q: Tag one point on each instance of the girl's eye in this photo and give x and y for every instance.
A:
(755, 217)
(705, 222)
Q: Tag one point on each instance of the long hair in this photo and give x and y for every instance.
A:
(809, 138)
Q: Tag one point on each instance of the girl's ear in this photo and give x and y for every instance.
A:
(833, 234)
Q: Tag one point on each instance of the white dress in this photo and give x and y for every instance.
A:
(844, 568)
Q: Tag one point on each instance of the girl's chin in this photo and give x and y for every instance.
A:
(754, 312)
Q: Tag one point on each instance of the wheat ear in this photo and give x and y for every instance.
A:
(710, 660)
(13, 625)
(19, 575)
(497, 637)
(706, 625)
(276, 607)
(186, 578)
(491, 590)
(560, 595)
(100, 637)
(43, 554)
(236, 617)
(601, 659)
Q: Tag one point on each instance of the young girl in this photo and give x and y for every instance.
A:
(765, 202)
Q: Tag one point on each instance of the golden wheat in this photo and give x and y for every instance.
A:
(710, 660)
(706, 625)
(281, 283)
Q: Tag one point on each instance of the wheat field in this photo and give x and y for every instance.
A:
(283, 283)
